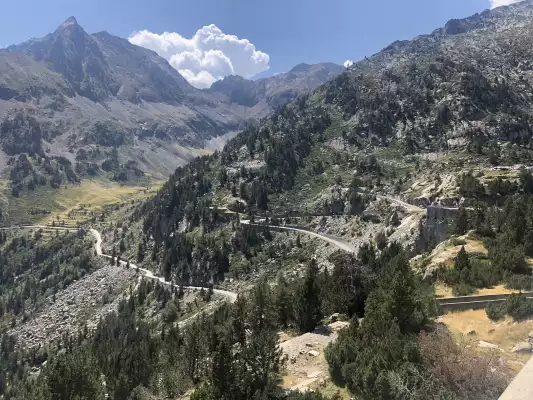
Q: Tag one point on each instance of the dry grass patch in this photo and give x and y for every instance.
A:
(76, 203)
(442, 290)
(505, 334)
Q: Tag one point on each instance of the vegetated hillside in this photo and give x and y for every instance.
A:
(469, 92)
(465, 91)
(75, 97)
(447, 89)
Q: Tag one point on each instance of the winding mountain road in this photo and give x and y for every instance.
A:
(337, 242)
(409, 207)
(231, 296)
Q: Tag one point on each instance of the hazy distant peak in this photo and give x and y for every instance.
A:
(70, 21)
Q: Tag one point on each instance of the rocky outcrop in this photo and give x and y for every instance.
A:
(439, 221)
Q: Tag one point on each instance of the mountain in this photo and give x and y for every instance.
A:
(90, 93)
(425, 120)
(462, 86)
(409, 119)
(276, 90)
(309, 196)
(102, 66)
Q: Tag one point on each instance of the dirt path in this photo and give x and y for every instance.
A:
(231, 296)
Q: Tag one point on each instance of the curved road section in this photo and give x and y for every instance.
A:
(337, 242)
(231, 296)
(150, 275)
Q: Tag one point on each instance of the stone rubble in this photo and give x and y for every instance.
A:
(80, 303)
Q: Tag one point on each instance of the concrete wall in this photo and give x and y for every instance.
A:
(521, 388)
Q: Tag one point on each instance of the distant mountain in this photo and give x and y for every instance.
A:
(90, 93)
(102, 66)
(278, 89)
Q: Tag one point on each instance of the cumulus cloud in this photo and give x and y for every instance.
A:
(208, 56)
(348, 63)
(498, 3)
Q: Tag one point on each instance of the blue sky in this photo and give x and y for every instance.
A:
(286, 31)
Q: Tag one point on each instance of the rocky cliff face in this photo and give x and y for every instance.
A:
(437, 226)
(102, 66)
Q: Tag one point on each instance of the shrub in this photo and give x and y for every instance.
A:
(463, 289)
(520, 282)
(381, 240)
(495, 311)
(518, 307)
(467, 373)
(483, 273)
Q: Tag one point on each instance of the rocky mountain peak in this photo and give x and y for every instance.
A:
(302, 67)
(70, 30)
(70, 21)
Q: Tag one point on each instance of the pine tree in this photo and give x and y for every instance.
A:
(462, 262)
(140, 252)
(262, 312)
(222, 374)
(308, 312)
(239, 312)
(283, 301)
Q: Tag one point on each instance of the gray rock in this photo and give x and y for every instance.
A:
(334, 317)
(487, 345)
(522, 347)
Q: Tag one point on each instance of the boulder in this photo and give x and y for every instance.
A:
(313, 353)
(334, 317)
(522, 347)
(487, 345)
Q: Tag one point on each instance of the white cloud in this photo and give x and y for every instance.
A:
(348, 63)
(208, 56)
(498, 3)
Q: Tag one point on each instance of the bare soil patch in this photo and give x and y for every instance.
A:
(306, 366)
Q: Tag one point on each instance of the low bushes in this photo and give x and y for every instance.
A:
(520, 282)
(516, 305)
